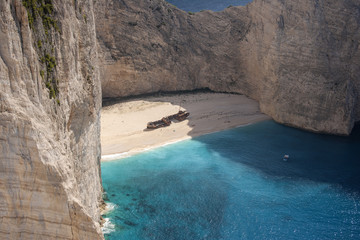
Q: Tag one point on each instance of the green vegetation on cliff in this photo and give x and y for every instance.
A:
(44, 26)
(40, 9)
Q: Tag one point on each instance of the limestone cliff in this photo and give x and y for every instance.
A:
(299, 59)
(307, 59)
(50, 97)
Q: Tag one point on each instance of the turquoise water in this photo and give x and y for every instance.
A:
(215, 5)
(234, 185)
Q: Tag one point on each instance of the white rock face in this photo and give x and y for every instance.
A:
(50, 185)
(306, 58)
(299, 58)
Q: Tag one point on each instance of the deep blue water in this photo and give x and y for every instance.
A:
(234, 185)
(215, 5)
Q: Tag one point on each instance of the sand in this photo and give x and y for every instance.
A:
(123, 123)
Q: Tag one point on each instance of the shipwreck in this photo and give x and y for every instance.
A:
(166, 121)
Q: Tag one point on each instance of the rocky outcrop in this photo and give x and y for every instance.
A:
(50, 97)
(299, 59)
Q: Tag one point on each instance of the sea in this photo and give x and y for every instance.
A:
(235, 184)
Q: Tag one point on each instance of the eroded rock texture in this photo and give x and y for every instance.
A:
(50, 186)
(299, 59)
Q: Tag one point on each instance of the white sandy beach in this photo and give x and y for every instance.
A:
(123, 124)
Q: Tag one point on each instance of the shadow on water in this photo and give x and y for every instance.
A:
(315, 157)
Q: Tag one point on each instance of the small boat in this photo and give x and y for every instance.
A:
(286, 157)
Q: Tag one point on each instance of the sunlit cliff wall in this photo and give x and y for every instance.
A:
(50, 98)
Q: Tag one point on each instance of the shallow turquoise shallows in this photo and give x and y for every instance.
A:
(235, 184)
(215, 5)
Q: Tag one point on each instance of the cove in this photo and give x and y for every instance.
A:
(234, 185)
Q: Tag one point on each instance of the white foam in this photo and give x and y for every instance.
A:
(136, 151)
(114, 156)
(109, 208)
(108, 226)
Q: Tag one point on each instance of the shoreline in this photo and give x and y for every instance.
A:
(122, 124)
(118, 156)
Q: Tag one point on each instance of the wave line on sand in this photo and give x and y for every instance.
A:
(132, 152)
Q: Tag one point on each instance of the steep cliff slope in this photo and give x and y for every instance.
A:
(148, 46)
(299, 59)
(307, 60)
(50, 185)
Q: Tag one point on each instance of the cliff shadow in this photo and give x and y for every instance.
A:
(313, 157)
